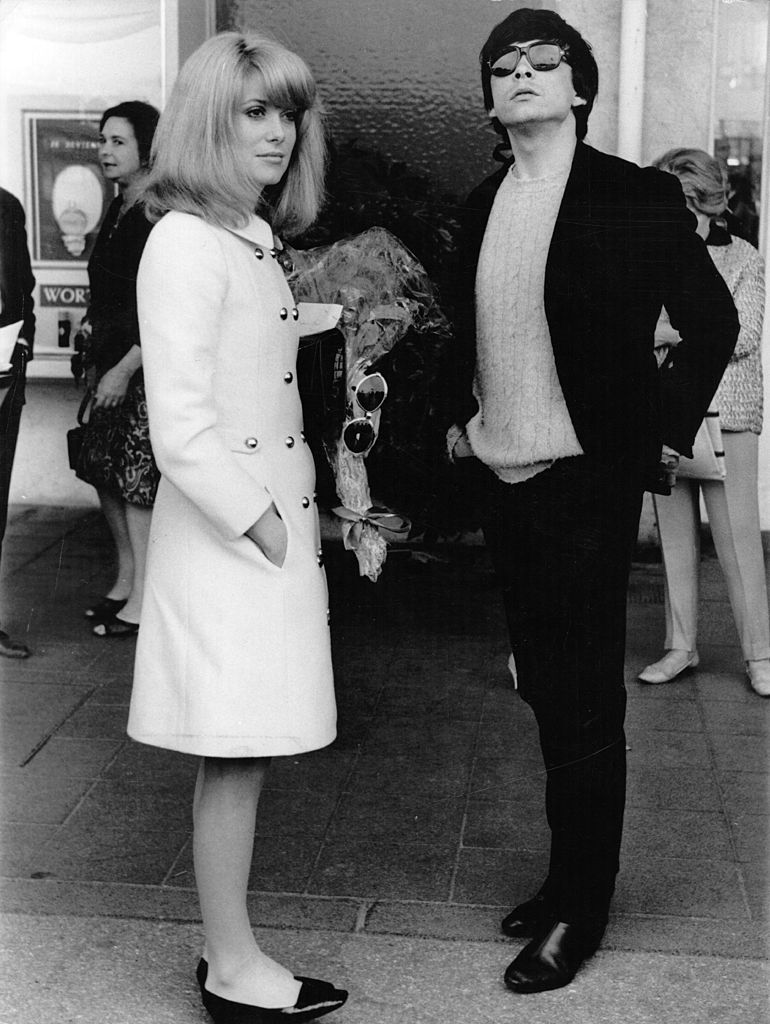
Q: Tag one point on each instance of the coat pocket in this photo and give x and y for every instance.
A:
(244, 444)
(256, 550)
(241, 442)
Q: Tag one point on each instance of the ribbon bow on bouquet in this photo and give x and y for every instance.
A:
(363, 532)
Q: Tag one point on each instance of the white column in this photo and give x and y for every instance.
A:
(185, 24)
(633, 38)
(169, 41)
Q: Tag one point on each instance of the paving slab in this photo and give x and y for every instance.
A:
(97, 971)
(408, 839)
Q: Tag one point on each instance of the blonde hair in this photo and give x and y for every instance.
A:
(703, 180)
(193, 168)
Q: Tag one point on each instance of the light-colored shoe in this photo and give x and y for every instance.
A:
(10, 648)
(759, 676)
(672, 664)
(512, 670)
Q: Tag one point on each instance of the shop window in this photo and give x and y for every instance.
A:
(61, 66)
(739, 109)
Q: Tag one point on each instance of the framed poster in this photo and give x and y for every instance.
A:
(68, 195)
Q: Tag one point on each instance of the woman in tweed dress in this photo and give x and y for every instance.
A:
(732, 505)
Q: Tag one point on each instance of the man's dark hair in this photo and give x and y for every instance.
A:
(142, 117)
(525, 24)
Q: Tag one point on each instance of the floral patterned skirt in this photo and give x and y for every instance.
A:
(116, 455)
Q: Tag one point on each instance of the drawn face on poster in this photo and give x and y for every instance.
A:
(68, 193)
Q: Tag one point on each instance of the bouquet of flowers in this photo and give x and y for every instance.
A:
(385, 294)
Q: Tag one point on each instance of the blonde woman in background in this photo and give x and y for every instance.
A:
(233, 659)
(732, 505)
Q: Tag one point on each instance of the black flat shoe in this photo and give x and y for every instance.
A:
(10, 648)
(116, 627)
(529, 917)
(316, 998)
(105, 609)
(551, 960)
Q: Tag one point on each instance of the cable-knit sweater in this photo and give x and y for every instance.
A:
(523, 424)
(739, 396)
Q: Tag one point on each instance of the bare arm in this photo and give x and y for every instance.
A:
(113, 386)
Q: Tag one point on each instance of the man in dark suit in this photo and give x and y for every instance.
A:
(562, 420)
(16, 304)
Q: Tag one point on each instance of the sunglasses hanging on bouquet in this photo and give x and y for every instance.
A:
(359, 433)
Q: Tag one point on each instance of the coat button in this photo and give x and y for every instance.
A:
(306, 502)
(302, 435)
(328, 617)
(274, 253)
(259, 254)
(251, 442)
(288, 377)
(289, 441)
(320, 560)
(284, 314)
(295, 313)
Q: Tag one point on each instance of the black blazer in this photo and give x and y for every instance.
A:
(624, 245)
(16, 279)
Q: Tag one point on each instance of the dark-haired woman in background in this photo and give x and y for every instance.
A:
(116, 457)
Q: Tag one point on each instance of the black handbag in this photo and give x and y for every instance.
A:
(76, 434)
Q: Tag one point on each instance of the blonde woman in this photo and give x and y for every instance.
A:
(732, 505)
(233, 660)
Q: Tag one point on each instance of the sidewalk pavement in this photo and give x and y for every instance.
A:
(386, 861)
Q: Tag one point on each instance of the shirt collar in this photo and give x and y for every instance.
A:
(256, 230)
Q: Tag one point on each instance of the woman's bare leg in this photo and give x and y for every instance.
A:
(224, 813)
(114, 509)
(138, 521)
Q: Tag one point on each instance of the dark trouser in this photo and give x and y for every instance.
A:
(11, 404)
(561, 544)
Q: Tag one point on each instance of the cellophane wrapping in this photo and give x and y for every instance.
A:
(384, 292)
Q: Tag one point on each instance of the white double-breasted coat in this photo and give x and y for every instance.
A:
(233, 655)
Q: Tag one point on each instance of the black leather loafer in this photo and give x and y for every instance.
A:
(551, 960)
(315, 999)
(529, 917)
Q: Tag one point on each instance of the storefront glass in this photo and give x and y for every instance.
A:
(61, 65)
(741, 62)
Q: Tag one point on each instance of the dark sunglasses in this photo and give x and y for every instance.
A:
(541, 57)
(359, 433)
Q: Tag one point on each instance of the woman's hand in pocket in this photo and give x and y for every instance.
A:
(269, 534)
